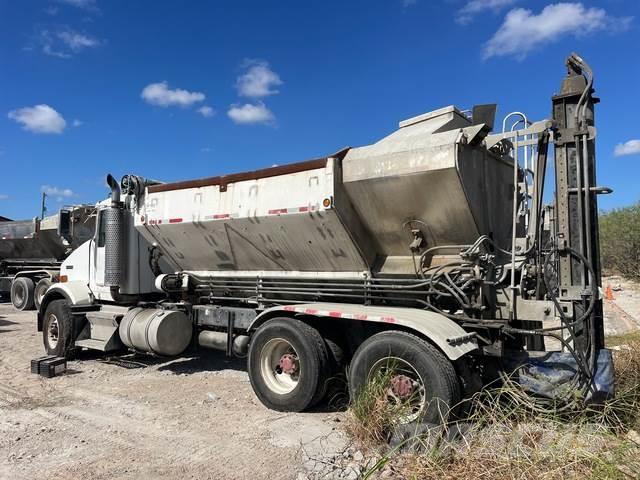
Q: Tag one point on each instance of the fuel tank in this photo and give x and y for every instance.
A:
(153, 330)
(348, 213)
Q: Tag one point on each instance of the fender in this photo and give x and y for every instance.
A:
(37, 273)
(77, 293)
(446, 334)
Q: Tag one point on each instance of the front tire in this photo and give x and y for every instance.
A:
(288, 365)
(57, 329)
(22, 293)
(419, 374)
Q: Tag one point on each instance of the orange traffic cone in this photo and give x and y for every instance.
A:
(608, 293)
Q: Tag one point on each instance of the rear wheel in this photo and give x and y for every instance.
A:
(57, 329)
(419, 376)
(22, 293)
(288, 365)
(40, 290)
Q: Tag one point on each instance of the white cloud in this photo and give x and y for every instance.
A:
(408, 3)
(77, 41)
(3, 196)
(248, 114)
(474, 7)
(50, 45)
(39, 119)
(77, 123)
(58, 193)
(206, 111)
(258, 81)
(87, 4)
(205, 149)
(632, 147)
(523, 31)
(161, 95)
(64, 43)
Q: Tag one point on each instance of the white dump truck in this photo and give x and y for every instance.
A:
(429, 250)
(31, 252)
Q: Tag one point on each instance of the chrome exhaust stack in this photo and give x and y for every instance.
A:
(113, 216)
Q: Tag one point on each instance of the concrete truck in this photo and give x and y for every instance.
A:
(428, 254)
(31, 252)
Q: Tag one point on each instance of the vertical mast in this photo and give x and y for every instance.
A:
(576, 199)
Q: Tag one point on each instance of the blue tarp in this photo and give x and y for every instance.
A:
(550, 375)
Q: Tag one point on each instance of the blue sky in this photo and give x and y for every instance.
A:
(176, 90)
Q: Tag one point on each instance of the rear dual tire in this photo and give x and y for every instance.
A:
(289, 365)
(40, 290)
(22, 293)
(413, 361)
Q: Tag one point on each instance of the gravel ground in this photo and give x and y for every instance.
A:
(622, 314)
(184, 419)
(190, 418)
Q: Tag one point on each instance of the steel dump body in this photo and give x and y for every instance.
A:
(40, 239)
(31, 239)
(346, 213)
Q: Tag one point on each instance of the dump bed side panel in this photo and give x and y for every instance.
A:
(284, 222)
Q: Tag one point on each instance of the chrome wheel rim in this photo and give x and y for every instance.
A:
(279, 366)
(53, 331)
(406, 387)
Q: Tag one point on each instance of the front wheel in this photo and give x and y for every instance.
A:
(288, 365)
(57, 329)
(418, 377)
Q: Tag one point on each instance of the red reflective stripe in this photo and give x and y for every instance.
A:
(277, 211)
(360, 316)
(303, 209)
(310, 311)
(175, 220)
(388, 319)
(289, 309)
(335, 314)
(221, 215)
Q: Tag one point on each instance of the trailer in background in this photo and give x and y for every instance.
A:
(32, 251)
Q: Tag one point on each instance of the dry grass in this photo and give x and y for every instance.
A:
(504, 439)
(623, 340)
(372, 417)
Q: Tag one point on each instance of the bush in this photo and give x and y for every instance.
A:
(501, 438)
(620, 241)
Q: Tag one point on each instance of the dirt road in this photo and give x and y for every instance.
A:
(192, 418)
(622, 311)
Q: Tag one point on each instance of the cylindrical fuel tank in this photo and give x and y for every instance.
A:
(218, 341)
(163, 332)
